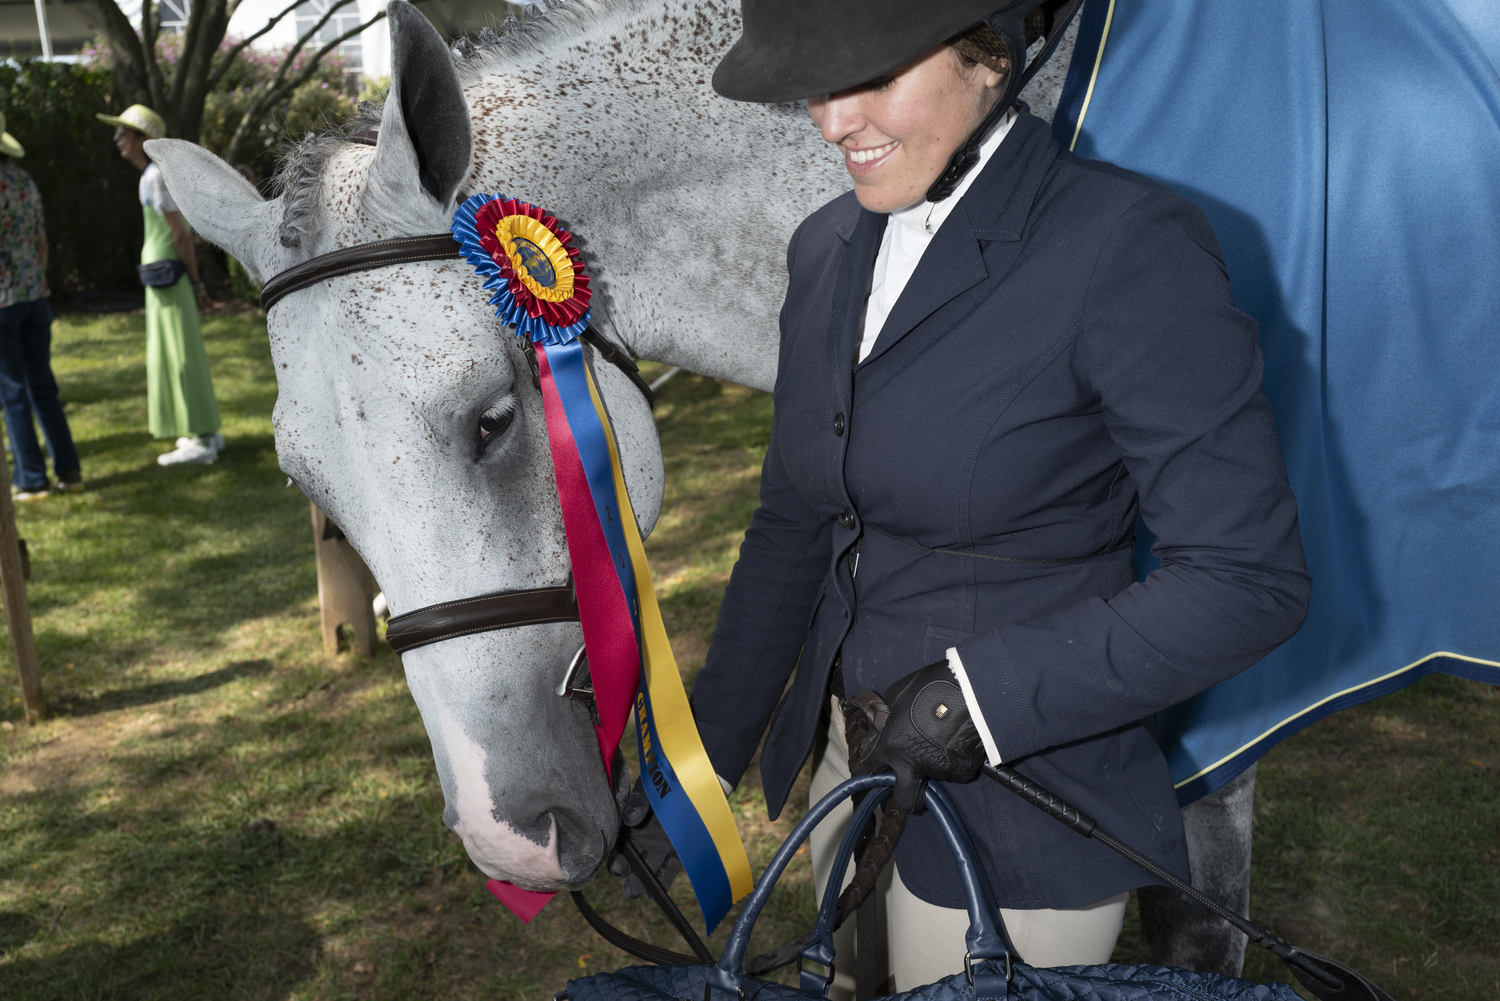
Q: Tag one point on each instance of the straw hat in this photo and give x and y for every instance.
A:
(140, 118)
(8, 144)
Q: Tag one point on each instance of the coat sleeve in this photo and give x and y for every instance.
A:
(764, 616)
(1176, 370)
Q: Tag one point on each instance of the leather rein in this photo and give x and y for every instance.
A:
(486, 612)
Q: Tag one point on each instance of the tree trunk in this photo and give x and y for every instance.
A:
(139, 80)
(131, 85)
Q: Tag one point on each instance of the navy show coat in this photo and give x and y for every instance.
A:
(1065, 356)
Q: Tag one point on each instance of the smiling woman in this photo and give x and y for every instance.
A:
(994, 358)
(898, 132)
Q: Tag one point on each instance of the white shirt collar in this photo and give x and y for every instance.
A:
(928, 217)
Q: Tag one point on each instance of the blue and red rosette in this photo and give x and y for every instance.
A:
(538, 276)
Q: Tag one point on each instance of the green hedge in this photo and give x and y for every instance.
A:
(88, 191)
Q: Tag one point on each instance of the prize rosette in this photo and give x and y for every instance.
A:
(537, 275)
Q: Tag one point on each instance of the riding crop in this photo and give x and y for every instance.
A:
(1326, 978)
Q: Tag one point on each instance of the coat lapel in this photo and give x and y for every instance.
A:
(849, 298)
(994, 210)
(951, 265)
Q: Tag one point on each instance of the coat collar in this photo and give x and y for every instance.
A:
(995, 209)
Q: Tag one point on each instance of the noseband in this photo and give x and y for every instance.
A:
(486, 612)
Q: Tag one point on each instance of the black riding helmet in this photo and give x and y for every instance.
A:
(795, 49)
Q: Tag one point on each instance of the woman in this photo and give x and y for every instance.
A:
(179, 391)
(994, 356)
(26, 381)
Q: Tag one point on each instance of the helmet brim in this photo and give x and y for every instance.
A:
(796, 67)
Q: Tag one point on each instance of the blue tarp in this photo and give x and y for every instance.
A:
(1348, 155)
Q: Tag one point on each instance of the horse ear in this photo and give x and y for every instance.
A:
(426, 119)
(217, 201)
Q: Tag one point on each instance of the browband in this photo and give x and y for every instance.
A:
(409, 250)
(381, 253)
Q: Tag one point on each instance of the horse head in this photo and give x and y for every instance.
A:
(408, 413)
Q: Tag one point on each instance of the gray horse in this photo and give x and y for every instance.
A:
(407, 414)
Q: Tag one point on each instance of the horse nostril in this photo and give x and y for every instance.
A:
(580, 845)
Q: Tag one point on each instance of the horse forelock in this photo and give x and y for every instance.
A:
(301, 168)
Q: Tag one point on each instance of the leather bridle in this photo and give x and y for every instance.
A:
(502, 609)
(486, 612)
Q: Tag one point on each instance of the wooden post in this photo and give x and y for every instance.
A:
(346, 588)
(18, 611)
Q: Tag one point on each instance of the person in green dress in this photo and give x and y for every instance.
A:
(179, 390)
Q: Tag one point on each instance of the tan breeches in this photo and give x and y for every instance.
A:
(923, 942)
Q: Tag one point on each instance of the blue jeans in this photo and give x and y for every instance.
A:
(26, 385)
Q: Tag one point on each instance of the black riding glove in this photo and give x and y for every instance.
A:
(645, 834)
(928, 734)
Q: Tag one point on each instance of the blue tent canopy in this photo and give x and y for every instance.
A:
(1348, 155)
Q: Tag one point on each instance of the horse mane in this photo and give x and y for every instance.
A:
(303, 161)
(551, 22)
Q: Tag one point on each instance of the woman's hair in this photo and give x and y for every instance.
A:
(981, 44)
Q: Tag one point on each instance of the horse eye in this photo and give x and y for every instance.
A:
(495, 420)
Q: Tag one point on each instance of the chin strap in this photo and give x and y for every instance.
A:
(1010, 25)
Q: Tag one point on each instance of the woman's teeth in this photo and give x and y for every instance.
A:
(866, 155)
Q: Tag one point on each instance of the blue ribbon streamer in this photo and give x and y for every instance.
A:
(678, 814)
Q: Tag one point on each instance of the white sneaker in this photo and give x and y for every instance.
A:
(218, 441)
(193, 450)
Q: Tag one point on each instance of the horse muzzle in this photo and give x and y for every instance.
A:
(522, 780)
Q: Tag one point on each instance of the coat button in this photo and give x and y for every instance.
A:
(846, 518)
(838, 425)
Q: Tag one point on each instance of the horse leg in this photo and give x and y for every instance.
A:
(1177, 931)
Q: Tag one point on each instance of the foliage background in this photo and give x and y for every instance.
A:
(89, 193)
(324, 101)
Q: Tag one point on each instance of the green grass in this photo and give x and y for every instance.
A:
(191, 703)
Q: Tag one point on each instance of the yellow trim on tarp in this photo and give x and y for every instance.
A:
(1324, 701)
(1109, 17)
(675, 727)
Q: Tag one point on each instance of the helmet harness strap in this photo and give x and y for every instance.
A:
(1010, 25)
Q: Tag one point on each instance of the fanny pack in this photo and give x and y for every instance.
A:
(161, 274)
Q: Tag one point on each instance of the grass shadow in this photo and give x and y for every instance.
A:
(128, 698)
(213, 951)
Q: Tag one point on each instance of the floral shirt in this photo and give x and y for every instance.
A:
(22, 277)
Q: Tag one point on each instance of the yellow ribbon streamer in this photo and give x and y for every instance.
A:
(675, 727)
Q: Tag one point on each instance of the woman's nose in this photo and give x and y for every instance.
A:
(841, 115)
